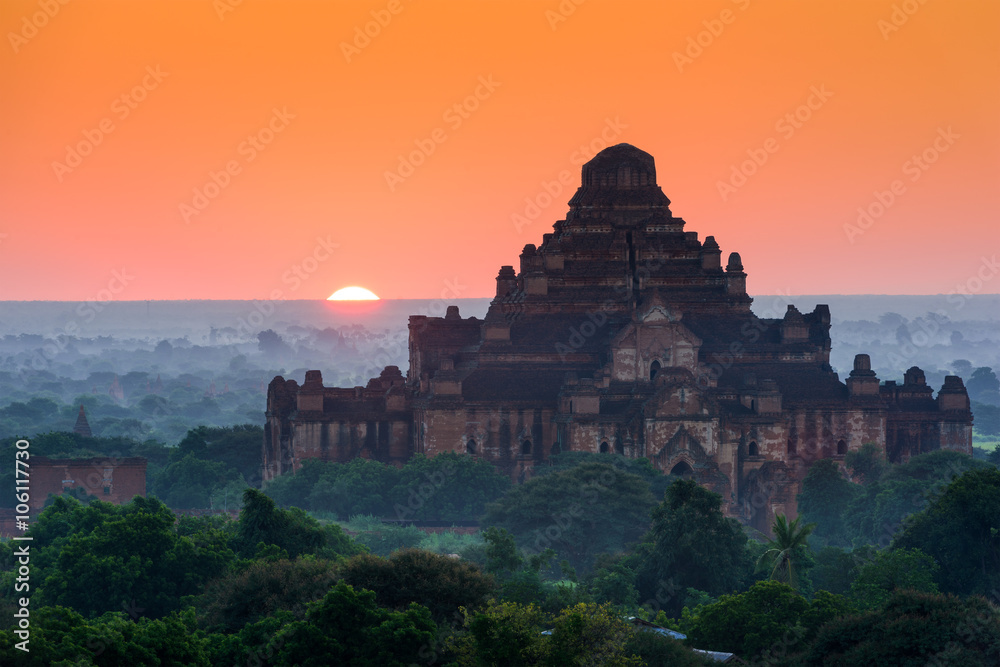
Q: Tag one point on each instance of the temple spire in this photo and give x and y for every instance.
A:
(82, 426)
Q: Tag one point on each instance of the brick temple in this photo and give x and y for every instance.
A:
(109, 479)
(623, 333)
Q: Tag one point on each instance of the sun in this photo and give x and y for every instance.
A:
(353, 293)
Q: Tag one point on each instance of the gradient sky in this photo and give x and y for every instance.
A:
(201, 77)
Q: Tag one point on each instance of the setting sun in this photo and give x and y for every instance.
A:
(353, 293)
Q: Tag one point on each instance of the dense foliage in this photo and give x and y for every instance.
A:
(691, 544)
(960, 530)
(912, 629)
(848, 514)
(104, 558)
(448, 487)
(769, 619)
(563, 562)
(579, 512)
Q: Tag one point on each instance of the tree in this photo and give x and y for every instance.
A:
(657, 481)
(501, 551)
(788, 553)
(361, 486)
(507, 633)
(446, 487)
(770, 617)
(911, 629)
(271, 343)
(960, 530)
(237, 447)
(61, 636)
(590, 509)
(837, 568)
(104, 557)
(615, 583)
(824, 497)
(189, 482)
(866, 463)
(292, 530)
(891, 570)
(383, 539)
(164, 349)
(656, 650)
(983, 386)
(504, 633)
(289, 490)
(590, 634)
(987, 418)
(78, 492)
(962, 367)
(691, 545)
(262, 589)
(877, 512)
(347, 627)
(439, 583)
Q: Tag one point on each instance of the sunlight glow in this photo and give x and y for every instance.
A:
(353, 293)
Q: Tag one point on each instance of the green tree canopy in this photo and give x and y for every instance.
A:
(440, 583)
(867, 463)
(586, 510)
(658, 482)
(878, 511)
(447, 487)
(769, 619)
(823, 500)
(61, 636)
(836, 568)
(264, 588)
(105, 557)
(911, 629)
(291, 530)
(590, 634)
(347, 627)
(691, 544)
(504, 633)
(188, 482)
(960, 530)
(892, 570)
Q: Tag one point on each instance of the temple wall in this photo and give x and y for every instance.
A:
(386, 440)
(815, 433)
(955, 436)
(111, 480)
(512, 437)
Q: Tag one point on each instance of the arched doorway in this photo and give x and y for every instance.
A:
(753, 449)
(654, 368)
(682, 469)
(604, 447)
(470, 447)
(526, 447)
(841, 448)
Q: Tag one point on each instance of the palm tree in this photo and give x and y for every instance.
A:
(786, 549)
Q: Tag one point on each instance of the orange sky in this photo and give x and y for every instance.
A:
(312, 211)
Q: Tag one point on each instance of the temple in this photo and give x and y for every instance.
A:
(623, 333)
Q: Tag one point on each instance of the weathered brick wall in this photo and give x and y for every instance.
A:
(112, 480)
